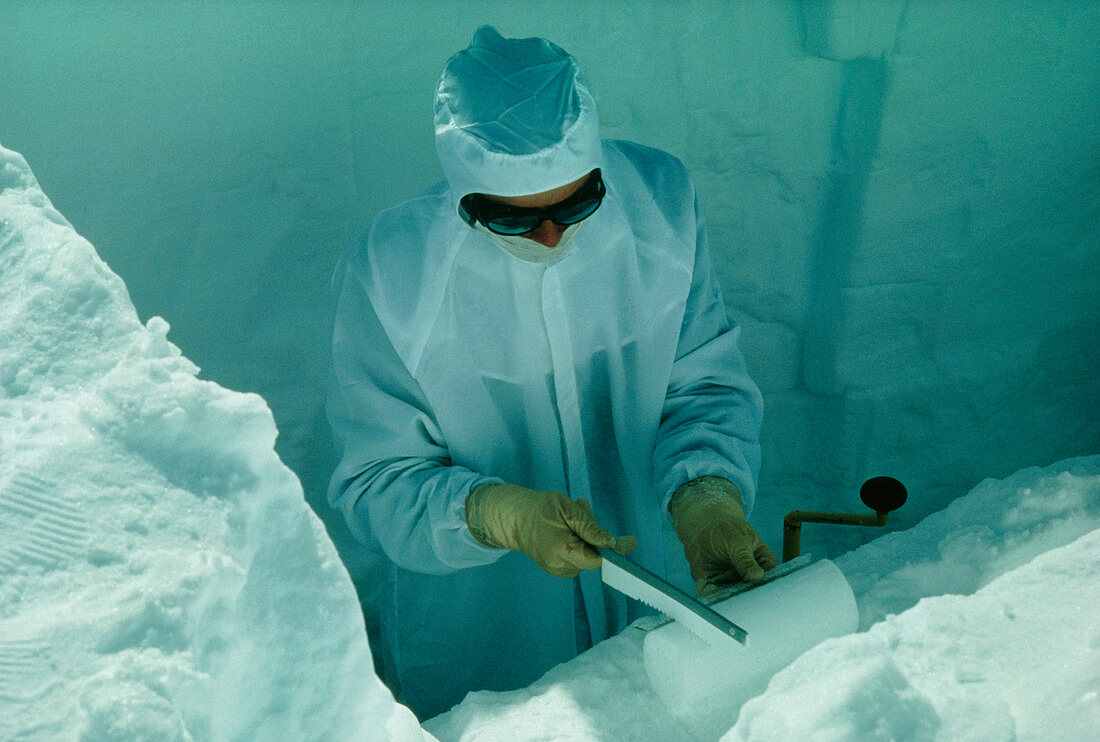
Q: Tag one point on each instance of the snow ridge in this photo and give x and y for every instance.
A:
(161, 576)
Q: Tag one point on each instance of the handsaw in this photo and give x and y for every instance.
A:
(637, 582)
(695, 614)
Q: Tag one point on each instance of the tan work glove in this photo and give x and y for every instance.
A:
(721, 547)
(555, 530)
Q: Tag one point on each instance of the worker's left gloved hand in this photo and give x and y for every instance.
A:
(720, 546)
(559, 533)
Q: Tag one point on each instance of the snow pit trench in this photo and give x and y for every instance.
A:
(161, 577)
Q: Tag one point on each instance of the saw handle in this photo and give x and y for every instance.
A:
(881, 494)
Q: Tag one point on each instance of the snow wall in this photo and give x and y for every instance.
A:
(902, 198)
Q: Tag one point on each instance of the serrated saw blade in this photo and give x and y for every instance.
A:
(726, 592)
(638, 582)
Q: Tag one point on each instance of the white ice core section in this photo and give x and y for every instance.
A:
(705, 687)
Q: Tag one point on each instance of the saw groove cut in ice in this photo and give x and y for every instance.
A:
(705, 688)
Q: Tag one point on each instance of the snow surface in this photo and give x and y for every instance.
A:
(996, 637)
(161, 576)
(1017, 660)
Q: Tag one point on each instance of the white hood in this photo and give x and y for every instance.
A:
(514, 117)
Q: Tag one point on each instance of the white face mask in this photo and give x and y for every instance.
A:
(527, 249)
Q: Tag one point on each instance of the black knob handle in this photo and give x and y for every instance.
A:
(883, 494)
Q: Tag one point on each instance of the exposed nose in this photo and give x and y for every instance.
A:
(547, 233)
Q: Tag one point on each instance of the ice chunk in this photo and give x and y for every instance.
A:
(705, 687)
(161, 576)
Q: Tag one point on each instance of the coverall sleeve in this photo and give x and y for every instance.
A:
(710, 422)
(394, 482)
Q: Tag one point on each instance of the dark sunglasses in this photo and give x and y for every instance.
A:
(512, 220)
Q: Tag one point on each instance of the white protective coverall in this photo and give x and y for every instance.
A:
(608, 371)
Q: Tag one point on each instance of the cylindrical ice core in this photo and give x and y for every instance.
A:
(705, 686)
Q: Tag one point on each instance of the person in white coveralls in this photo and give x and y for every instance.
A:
(529, 353)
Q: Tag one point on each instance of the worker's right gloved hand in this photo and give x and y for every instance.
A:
(555, 530)
(720, 546)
